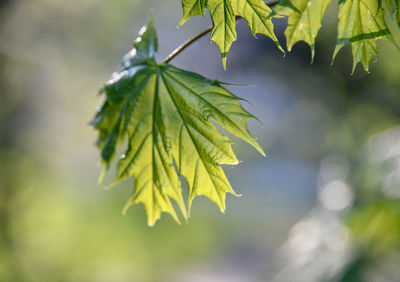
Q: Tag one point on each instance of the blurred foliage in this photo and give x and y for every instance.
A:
(331, 170)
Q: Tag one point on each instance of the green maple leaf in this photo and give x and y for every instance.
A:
(361, 23)
(393, 7)
(223, 32)
(305, 17)
(258, 15)
(223, 12)
(164, 114)
(192, 8)
(392, 19)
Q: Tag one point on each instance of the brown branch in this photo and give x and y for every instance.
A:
(185, 45)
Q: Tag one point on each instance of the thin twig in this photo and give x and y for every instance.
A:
(186, 44)
(198, 36)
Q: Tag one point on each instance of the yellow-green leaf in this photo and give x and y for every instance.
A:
(192, 8)
(392, 19)
(223, 12)
(304, 20)
(164, 115)
(361, 23)
(393, 6)
(257, 14)
(223, 32)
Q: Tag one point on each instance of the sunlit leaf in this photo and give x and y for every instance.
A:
(361, 23)
(305, 17)
(393, 6)
(258, 16)
(223, 12)
(223, 32)
(192, 8)
(164, 114)
(392, 19)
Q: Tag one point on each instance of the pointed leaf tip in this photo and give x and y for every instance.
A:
(361, 24)
(223, 15)
(304, 20)
(192, 8)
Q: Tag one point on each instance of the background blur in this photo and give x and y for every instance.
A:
(323, 206)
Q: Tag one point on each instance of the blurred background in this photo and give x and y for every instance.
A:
(323, 206)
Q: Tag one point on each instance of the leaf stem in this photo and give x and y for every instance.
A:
(185, 45)
(190, 41)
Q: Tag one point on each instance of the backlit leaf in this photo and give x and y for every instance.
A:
(361, 23)
(223, 32)
(258, 16)
(305, 17)
(223, 12)
(192, 8)
(164, 115)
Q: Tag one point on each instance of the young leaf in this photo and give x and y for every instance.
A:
(164, 113)
(223, 12)
(192, 8)
(258, 16)
(361, 23)
(305, 17)
(393, 6)
(392, 20)
(223, 32)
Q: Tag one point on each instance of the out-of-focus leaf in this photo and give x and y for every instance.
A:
(392, 19)
(393, 7)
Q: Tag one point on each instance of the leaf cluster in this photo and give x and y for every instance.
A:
(360, 22)
(164, 114)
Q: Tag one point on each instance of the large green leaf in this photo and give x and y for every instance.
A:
(304, 20)
(361, 23)
(164, 114)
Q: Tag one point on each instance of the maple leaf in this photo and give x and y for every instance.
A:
(361, 23)
(304, 20)
(192, 8)
(223, 12)
(164, 114)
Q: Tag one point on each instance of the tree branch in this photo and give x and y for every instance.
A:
(185, 45)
